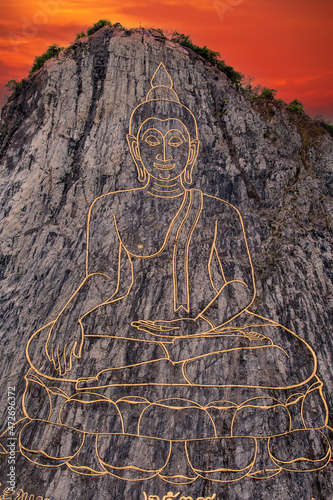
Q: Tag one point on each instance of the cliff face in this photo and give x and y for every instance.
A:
(63, 143)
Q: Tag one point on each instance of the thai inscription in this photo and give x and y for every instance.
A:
(170, 496)
(9, 494)
(157, 366)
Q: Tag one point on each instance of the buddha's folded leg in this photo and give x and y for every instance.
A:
(157, 371)
(99, 353)
(251, 356)
(282, 361)
(56, 408)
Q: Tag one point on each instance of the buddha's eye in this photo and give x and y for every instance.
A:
(175, 142)
(152, 140)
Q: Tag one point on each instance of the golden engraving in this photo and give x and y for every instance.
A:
(170, 496)
(19, 495)
(189, 351)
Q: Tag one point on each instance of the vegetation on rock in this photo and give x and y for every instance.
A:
(296, 106)
(267, 93)
(14, 86)
(211, 56)
(39, 62)
(80, 35)
(97, 26)
(252, 93)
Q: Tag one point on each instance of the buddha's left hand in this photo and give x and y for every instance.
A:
(177, 328)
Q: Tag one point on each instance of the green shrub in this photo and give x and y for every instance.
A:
(267, 93)
(52, 51)
(211, 56)
(206, 53)
(97, 26)
(14, 86)
(231, 73)
(248, 90)
(296, 106)
(80, 35)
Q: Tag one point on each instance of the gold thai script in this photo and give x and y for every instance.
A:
(170, 496)
(20, 494)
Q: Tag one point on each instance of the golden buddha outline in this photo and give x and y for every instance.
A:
(160, 331)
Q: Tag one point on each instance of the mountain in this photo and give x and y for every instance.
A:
(63, 144)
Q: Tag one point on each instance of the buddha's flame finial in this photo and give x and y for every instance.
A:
(161, 86)
(161, 77)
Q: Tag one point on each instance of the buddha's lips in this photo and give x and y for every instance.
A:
(167, 166)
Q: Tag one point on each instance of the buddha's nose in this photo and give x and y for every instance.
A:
(164, 157)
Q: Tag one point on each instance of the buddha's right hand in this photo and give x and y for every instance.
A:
(63, 342)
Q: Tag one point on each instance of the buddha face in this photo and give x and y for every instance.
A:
(163, 148)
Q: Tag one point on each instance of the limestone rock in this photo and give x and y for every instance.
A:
(63, 144)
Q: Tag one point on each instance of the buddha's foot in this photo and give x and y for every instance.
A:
(48, 444)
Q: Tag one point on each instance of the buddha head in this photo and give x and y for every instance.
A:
(163, 134)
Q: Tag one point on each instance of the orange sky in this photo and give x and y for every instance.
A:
(284, 44)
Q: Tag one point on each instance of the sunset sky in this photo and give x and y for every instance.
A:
(283, 44)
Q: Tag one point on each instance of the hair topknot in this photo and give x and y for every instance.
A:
(162, 102)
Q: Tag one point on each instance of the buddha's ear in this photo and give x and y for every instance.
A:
(133, 147)
(135, 153)
(194, 150)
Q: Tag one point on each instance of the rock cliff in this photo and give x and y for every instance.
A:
(63, 144)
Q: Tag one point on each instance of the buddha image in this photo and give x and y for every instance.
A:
(156, 365)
